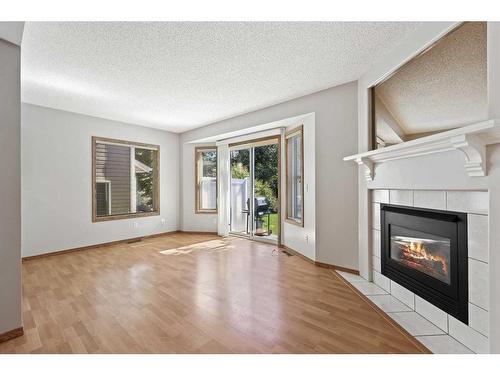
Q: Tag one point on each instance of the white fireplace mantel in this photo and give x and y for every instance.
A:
(471, 140)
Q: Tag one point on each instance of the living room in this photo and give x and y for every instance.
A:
(250, 187)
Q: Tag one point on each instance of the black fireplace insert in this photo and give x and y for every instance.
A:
(426, 252)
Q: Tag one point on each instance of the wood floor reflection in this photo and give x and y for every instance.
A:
(193, 293)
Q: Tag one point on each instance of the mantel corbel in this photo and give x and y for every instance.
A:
(368, 167)
(474, 150)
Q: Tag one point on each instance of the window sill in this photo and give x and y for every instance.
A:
(98, 219)
(213, 212)
(294, 222)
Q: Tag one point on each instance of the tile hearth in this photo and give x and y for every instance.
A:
(436, 340)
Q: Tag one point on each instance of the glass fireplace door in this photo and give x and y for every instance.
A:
(421, 251)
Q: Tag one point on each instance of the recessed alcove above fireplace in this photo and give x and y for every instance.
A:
(426, 251)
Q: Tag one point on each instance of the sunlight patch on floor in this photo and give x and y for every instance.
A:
(210, 246)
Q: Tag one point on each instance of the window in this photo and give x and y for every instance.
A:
(206, 179)
(294, 176)
(125, 179)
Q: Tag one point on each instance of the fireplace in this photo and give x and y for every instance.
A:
(426, 252)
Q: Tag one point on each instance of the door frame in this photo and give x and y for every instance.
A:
(251, 144)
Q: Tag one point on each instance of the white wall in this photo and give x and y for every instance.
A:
(335, 181)
(10, 187)
(56, 181)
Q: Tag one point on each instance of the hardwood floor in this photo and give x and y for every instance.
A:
(195, 293)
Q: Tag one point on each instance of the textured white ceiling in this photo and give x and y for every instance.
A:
(443, 88)
(178, 76)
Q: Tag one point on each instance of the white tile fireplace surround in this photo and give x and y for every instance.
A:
(436, 329)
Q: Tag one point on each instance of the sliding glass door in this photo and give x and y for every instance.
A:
(255, 189)
(240, 191)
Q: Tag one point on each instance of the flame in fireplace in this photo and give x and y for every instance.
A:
(415, 252)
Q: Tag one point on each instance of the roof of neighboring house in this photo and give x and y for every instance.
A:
(141, 167)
